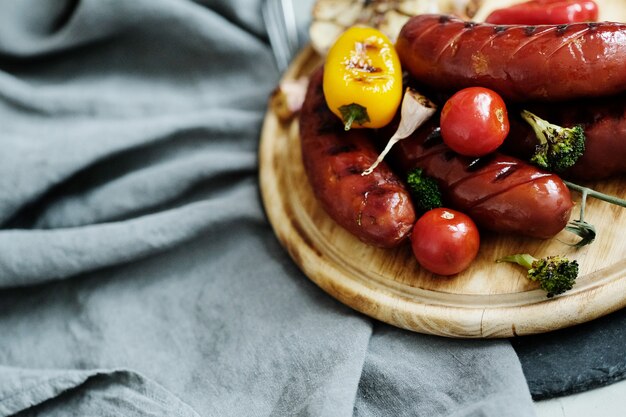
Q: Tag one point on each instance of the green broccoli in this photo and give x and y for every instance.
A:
(555, 274)
(559, 148)
(426, 193)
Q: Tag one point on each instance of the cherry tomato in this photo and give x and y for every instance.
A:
(445, 241)
(474, 121)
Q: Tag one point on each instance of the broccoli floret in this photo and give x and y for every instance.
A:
(555, 274)
(426, 193)
(559, 147)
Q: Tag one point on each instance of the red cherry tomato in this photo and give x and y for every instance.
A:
(474, 121)
(445, 241)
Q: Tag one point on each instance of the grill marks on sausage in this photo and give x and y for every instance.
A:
(341, 148)
(573, 40)
(448, 155)
(551, 62)
(487, 167)
(535, 34)
(496, 190)
(434, 138)
(530, 30)
(560, 29)
(479, 163)
(505, 172)
(327, 122)
(376, 208)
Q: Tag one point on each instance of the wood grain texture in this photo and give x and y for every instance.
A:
(486, 300)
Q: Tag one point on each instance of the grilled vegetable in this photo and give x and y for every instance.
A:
(363, 78)
(555, 274)
(559, 148)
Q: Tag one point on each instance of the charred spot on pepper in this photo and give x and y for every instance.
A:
(592, 25)
(444, 19)
(370, 47)
(365, 67)
(469, 25)
(499, 29)
(360, 61)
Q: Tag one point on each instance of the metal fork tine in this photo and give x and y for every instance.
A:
(272, 23)
(291, 27)
(281, 27)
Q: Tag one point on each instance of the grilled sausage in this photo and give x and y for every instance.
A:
(548, 62)
(498, 192)
(376, 208)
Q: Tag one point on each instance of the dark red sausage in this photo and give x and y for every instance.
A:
(551, 62)
(376, 208)
(498, 192)
(604, 122)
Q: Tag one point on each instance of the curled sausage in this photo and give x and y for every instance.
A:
(548, 62)
(375, 208)
(498, 192)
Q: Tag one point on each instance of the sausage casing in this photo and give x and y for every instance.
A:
(499, 192)
(547, 62)
(376, 208)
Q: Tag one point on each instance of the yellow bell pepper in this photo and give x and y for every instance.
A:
(363, 78)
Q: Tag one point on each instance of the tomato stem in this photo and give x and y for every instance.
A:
(351, 113)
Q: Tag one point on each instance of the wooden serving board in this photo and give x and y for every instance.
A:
(486, 300)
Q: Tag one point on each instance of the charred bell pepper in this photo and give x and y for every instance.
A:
(363, 78)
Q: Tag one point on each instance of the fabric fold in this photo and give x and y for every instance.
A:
(138, 272)
(465, 377)
(62, 253)
(86, 392)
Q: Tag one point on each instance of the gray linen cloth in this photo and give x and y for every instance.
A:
(138, 273)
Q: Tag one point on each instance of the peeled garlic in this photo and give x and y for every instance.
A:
(415, 110)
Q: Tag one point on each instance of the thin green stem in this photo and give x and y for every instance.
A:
(354, 112)
(523, 259)
(595, 194)
(537, 124)
(349, 121)
(583, 203)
